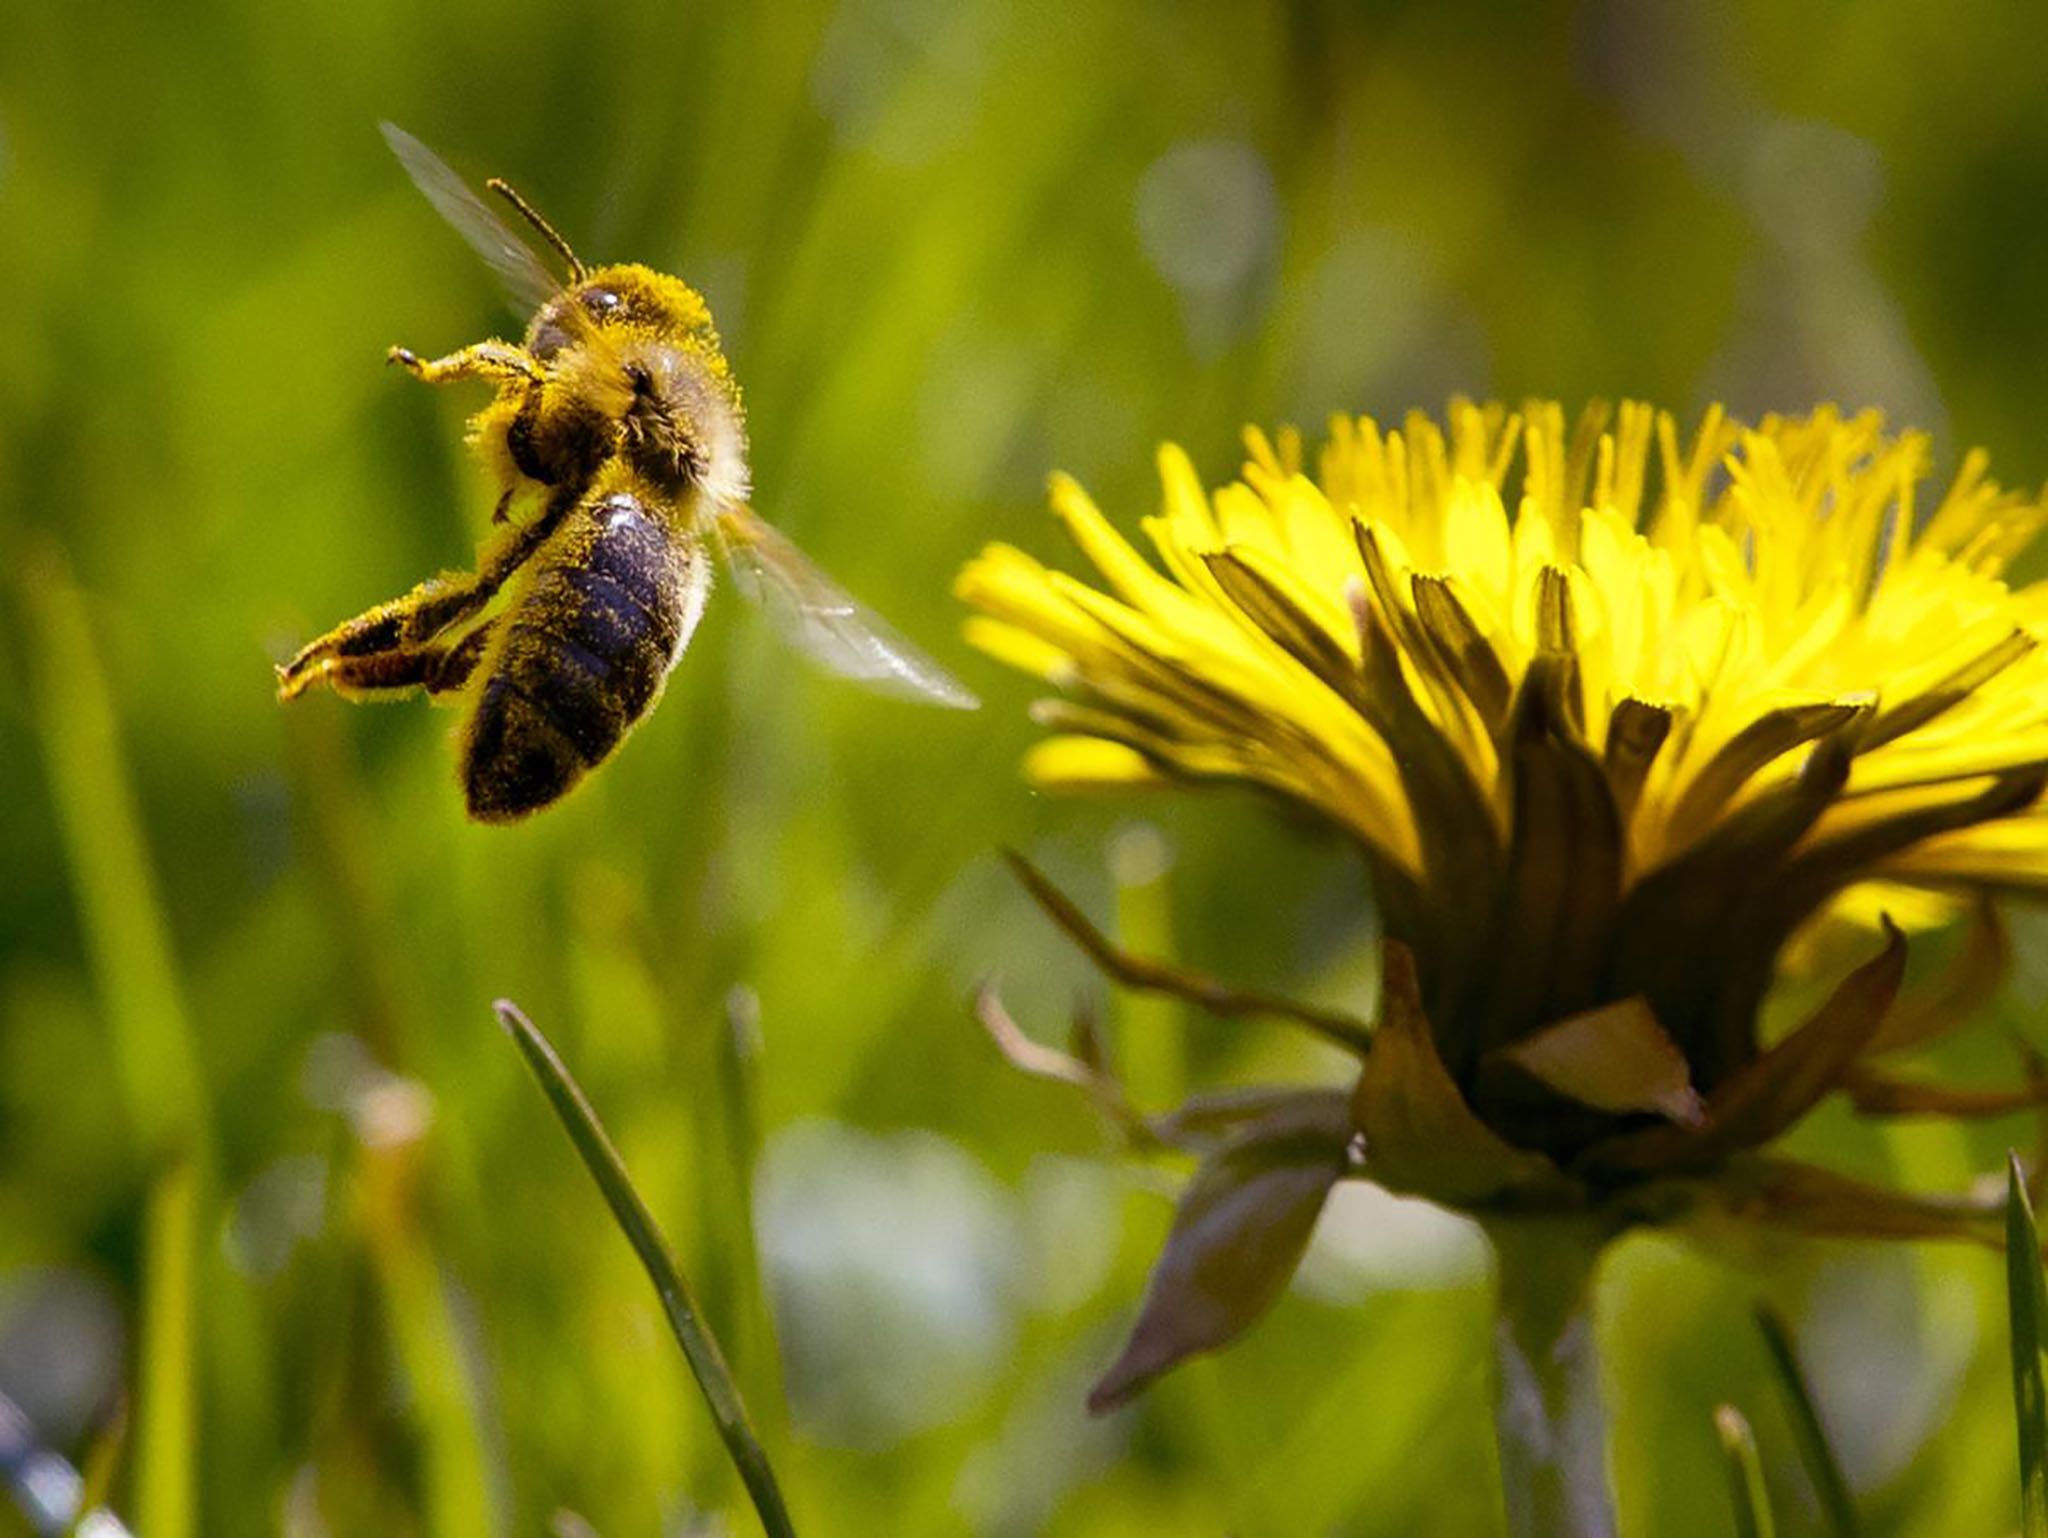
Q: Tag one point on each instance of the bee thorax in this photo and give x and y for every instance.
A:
(682, 427)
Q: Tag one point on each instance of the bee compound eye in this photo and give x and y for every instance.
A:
(600, 301)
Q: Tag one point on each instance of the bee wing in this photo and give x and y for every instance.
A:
(529, 283)
(824, 621)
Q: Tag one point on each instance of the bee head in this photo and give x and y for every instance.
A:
(625, 297)
(621, 301)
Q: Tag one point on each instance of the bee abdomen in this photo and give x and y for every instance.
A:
(588, 642)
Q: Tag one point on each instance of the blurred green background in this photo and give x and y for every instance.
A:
(247, 954)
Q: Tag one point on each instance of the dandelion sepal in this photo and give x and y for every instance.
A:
(1769, 1093)
(1875, 1094)
(1238, 1233)
(1141, 972)
(1614, 1058)
(1420, 1135)
(1758, 1189)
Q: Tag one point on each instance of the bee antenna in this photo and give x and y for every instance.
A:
(532, 216)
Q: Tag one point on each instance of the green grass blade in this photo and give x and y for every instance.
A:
(2028, 1301)
(739, 1053)
(1838, 1507)
(455, 1476)
(95, 1518)
(700, 1348)
(155, 1058)
(1745, 1475)
(54, 1499)
(126, 932)
(165, 1458)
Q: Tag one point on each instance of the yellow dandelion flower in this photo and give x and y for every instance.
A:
(1625, 723)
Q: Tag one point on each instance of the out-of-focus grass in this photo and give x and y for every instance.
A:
(459, 1490)
(166, 1375)
(1745, 1475)
(1150, 1030)
(152, 1049)
(2029, 1319)
(1830, 1485)
(951, 247)
(152, 1052)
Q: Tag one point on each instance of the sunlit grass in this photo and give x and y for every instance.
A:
(678, 1301)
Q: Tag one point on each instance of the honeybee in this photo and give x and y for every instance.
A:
(619, 446)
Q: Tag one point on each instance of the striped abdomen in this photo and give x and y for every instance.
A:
(602, 614)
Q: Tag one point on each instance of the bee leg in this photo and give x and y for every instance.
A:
(396, 629)
(454, 663)
(499, 362)
(406, 625)
(439, 667)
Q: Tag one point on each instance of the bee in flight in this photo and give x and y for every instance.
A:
(620, 449)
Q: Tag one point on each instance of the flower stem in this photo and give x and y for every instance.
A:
(1547, 1405)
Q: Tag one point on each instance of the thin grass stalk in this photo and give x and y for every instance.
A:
(1745, 1475)
(460, 1496)
(700, 1348)
(102, 1461)
(1838, 1506)
(167, 1391)
(739, 1075)
(2027, 1298)
(56, 1500)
